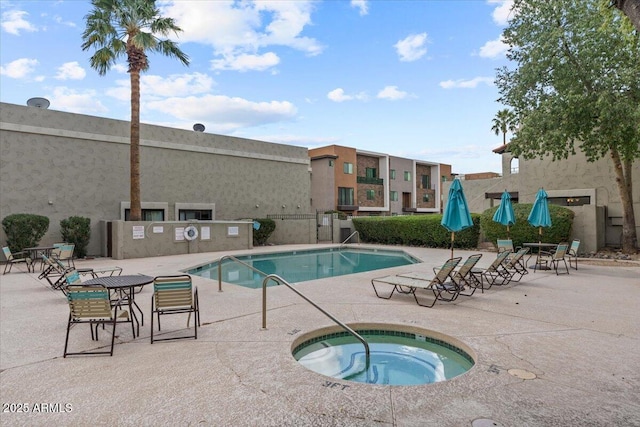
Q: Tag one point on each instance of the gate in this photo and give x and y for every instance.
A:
(325, 227)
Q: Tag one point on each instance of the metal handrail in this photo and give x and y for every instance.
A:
(231, 257)
(280, 280)
(347, 239)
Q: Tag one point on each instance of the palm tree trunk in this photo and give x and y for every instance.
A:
(623, 180)
(135, 213)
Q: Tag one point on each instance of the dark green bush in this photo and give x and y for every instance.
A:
(415, 230)
(76, 230)
(260, 236)
(522, 231)
(24, 230)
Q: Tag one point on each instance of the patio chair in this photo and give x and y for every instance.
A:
(65, 253)
(494, 272)
(16, 258)
(90, 304)
(462, 277)
(572, 253)
(442, 289)
(53, 272)
(556, 257)
(175, 295)
(514, 266)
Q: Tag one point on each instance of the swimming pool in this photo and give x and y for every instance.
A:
(303, 265)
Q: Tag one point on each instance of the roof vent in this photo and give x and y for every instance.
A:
(38, 103)
(198, 127)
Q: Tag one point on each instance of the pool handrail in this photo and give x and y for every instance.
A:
(281, 281)
(348, 238)
(231, 257)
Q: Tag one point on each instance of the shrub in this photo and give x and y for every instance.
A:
(24, 230)
(522, 231)
(76, 230)
(415, 230)
(261, 235)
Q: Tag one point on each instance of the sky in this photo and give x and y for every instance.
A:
(412, 78)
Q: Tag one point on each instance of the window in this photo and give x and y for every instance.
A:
(371, 172)
(330, 163)
(515, 165)
(425, 198)
(345, 196)
(200, 214)
(407, 176)
(426, 182)
(147, 214)
(371, 194)
(348, 167)
(392, 174)
(394, 196)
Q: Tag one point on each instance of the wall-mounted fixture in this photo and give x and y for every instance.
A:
(257, 205)
(284, 206)
(50, 202)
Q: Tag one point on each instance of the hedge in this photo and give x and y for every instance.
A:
(415, 230)
(77, 230)
(522, 231)
(24, 230)
(261, 235)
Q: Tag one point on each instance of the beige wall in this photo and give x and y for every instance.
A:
(59, 164)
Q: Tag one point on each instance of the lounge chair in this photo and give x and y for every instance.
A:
(16, 258)
(514, 266)
(90, 304)
(442, 287)
(572, 253)
(494, 272)
(65, 253)
(175, 295)
(462, 277)
(556, 257)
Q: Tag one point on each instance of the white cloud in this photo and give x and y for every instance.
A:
(412, 47)
(502, 13)
(153, 86)
(71, 71)
(392, 93)
(238, 31)
(466, 84)
(338, 95)
(246, 62)
(227, 113)
(494, 48)
(13, 21)
(361, 5)
(84, 102)
(19, 68)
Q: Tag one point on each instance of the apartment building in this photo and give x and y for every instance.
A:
(362, 183)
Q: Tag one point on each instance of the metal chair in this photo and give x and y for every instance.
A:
(15, 258)
(90, 304)
(572, 253)
(555, 257)
(175, 295)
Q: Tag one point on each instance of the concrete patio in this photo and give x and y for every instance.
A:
(576, 336)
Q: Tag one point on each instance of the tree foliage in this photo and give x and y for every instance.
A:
(576, 85)
(504, 121)
(130, 28)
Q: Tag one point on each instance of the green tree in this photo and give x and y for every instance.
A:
(116, 28)
(504, 121)
(576, 84)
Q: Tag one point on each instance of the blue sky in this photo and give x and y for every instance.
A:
(408, 78)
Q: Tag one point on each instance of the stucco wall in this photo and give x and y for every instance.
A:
(59, 164)
(294, 231)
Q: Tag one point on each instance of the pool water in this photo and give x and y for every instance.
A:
(301, 266)
(396, 358)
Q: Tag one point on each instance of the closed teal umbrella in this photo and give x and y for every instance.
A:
(505, 215)
(539, 215)
(456, 212)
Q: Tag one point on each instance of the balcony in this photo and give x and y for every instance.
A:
(347, 208)
(366, 180)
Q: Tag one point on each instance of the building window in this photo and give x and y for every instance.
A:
(348, 168)
(444, 178)
(515, 165)
(371, 172)
(371, 194)
(394, 196)
(199, 214)
(345, 196)
(407, 176)
(392, 174)
(330, 163)
(147, 214)
(426, 182)
(425, 198)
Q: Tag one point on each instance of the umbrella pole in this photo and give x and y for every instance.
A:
(452, 239)
(508, 234)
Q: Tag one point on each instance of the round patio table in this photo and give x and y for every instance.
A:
(124, 287)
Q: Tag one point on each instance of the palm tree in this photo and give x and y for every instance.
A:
(504, 121)
(118, 27)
